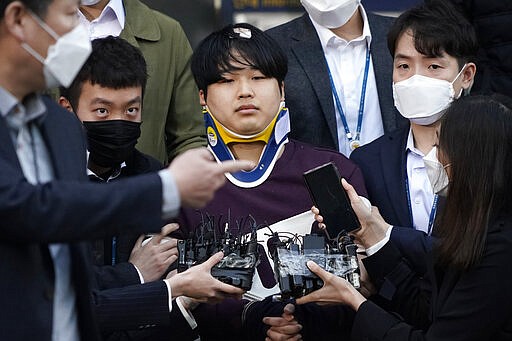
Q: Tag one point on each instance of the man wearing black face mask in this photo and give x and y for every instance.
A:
(112, 141)
(106, 96)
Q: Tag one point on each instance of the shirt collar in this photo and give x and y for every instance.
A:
(113, 176)
(114, 10)
(410, 145)
(32, 106)
(327, 37)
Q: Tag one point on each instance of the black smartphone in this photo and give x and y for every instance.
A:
(327, 193)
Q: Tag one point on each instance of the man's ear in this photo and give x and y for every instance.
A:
(15, 19)
(64, 102)
(468, 75)
(202, 98)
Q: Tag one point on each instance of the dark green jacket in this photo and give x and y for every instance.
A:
(171, 115)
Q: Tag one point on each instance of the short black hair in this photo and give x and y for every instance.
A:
(39, 7)
(242, 43)
(437, 27)
(113, 63)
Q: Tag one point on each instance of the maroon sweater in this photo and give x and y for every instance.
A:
(283, 195)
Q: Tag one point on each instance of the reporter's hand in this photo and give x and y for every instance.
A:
(155, 257)
(172, 273)
(198, 175)
(373, 226)
(335, 290)
(284, 328)
(197, 282)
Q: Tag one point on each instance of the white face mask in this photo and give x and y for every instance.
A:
(423, 100)
(331, 13)
(89, 2)
(436, 173)
(64, 58)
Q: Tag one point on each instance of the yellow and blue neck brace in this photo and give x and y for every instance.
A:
(229, 136)
(275, 136)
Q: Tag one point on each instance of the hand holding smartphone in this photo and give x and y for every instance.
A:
(329, 196)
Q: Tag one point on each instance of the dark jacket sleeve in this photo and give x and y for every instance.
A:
(399, 285)
(74, 210)
(465, 305)
(120, 275)
(133, 307)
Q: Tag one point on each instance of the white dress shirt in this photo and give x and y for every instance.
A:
(110, 22)
(346, 61)
(421, 195)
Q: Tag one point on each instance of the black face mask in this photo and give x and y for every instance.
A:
(111, 142)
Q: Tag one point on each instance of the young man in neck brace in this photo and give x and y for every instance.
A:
(107, 97)
(240, 74)
(433, 47)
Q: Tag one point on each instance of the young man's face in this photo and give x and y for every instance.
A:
(244, 101)
(408, 62)
(97, 103)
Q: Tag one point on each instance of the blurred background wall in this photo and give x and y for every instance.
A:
(200, 17)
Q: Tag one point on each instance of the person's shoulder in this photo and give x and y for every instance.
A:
(166, 21)
(502, 222)
(51, 104)
(318, 155)
(144, 163)
(306, 147)
(139, 11)
(54, 109)
(374, 17)
(379, 25)
(377, 145)
(288, 27)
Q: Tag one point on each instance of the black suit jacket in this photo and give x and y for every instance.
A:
(383, 163)
(307, 86)
(445, 304)
(126, 309)
(66, 210)
(122, 273)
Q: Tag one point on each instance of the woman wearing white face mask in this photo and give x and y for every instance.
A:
(465, 292)
(433, 47)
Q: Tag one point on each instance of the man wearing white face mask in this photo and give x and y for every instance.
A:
(433, 47)
(47, 204)
(339, 83)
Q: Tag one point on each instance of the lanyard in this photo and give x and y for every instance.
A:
(433, 210)
(114, 250)
(354, 140)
